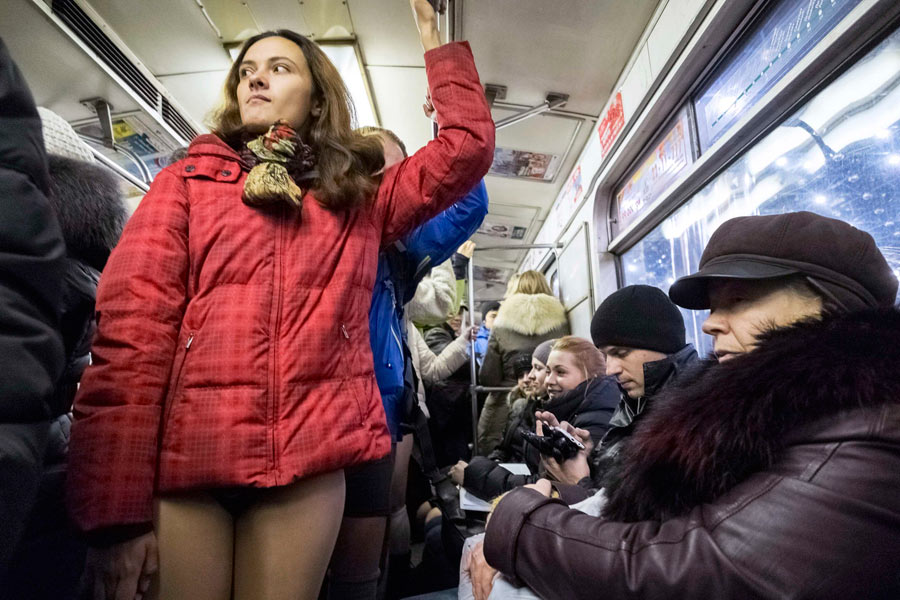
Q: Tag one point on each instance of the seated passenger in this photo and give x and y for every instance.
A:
(527, 317)
(641, 333)
(579, 394)
(522, 411)
(771, 474)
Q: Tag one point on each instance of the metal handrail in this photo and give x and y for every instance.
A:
(120, 171)
(146, 175)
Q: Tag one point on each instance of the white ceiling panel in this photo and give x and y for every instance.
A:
(60, 74)
(234, 19)
(399, 94)
(313, 18)
(198, 94)
(169, 36)
(387, 33)
(573, 47)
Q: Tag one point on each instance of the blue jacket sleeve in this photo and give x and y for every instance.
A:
(437, 239)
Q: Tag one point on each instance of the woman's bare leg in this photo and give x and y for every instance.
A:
(196, 548)
(283, 542)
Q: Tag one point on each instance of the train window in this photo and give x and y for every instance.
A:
(775, 43)
(656, 170)
(839, 156)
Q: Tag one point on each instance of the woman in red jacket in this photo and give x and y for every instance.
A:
(233, 378)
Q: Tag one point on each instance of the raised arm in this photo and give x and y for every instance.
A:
(448, 167)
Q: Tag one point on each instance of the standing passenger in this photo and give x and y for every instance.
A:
(484, 332)
(31, 280)
(233, 376)
(528, 316)
(377, 490)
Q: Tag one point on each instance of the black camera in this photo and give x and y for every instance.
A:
(556, 443)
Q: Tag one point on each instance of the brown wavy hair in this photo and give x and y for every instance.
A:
(346, 161)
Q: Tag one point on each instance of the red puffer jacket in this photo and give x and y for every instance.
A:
(233, 344)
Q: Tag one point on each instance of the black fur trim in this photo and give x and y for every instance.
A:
(704, 436)
(88, 203)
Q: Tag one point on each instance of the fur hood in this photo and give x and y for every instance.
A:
(531, 314)
(88, 203)
(702, 437)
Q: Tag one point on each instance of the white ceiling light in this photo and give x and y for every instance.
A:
(345, 56)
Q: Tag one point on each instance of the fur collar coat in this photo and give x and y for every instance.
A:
(772, 475)
(523, 322)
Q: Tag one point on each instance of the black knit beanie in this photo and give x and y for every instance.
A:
(639, 316)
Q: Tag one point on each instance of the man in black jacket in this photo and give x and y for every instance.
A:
(31, 274)
(641, 332)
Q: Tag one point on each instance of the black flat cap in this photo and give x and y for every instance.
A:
(835, 255)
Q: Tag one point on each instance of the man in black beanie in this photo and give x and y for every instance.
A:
(641, 332)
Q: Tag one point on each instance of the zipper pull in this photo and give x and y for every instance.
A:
(189, 342)
(344, 331)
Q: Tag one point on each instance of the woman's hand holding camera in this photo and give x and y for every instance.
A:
(576, 468)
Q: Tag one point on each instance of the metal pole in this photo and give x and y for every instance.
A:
(518, 247)
(120, 171)
(473, 368)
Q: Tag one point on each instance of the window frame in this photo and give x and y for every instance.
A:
(862, 29)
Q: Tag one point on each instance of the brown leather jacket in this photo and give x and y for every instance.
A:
(745, 483)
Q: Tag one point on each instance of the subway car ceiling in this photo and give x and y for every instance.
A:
(169, 59)
(627, 131)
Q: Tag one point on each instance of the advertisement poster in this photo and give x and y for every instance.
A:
(504, 228)
(574, 189)
(523, 164)
(492, 274)
(659, 169)
(611, 125)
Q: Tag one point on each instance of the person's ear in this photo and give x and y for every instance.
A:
(316, 110)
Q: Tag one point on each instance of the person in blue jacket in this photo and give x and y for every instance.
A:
(488, 314)
(372, 493)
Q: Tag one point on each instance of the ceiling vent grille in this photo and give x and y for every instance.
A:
(79, 22)
(174, 120)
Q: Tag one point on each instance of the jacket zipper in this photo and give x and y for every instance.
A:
(344, 331)
(176, 383)
(279, 290)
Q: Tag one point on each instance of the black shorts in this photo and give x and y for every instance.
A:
(236, 500)
(369, 488)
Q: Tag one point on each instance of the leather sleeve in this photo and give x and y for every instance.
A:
(442, 172)
(487, 479)
(140, 304)
(771, 536)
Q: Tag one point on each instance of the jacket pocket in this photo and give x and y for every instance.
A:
(175, 385)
